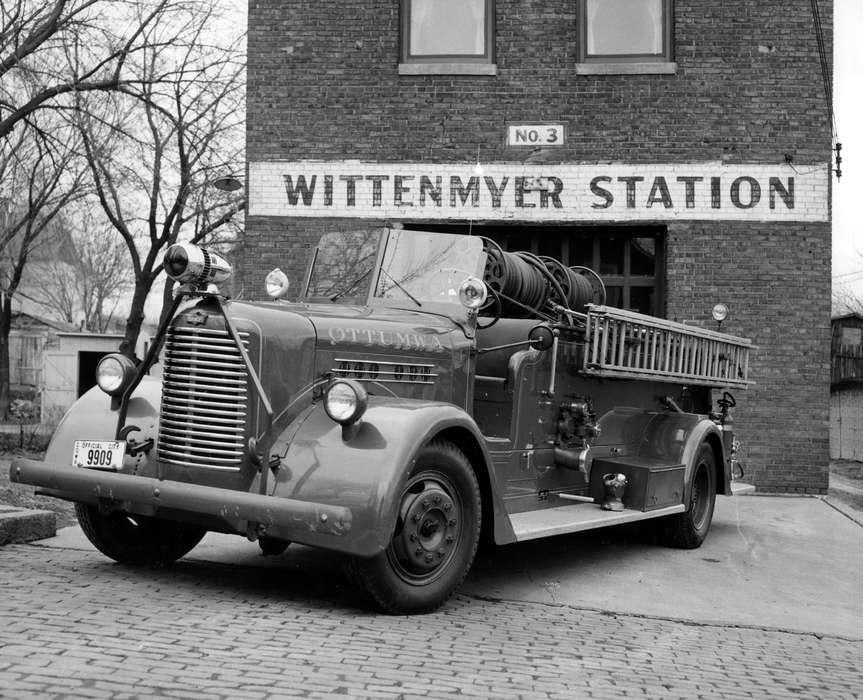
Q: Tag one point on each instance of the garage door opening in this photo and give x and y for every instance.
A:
(630, 259)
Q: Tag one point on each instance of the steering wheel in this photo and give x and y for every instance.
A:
(727, 400)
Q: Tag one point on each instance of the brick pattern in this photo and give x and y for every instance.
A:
(73, 625)
(323, 85)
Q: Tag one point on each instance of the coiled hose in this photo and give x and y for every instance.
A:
(528, 285)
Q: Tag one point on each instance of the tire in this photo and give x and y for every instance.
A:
(435, 539)
(137, 539)
(689, 529)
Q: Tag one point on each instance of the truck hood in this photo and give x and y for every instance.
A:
(394, 351)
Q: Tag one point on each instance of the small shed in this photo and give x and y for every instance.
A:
(846, 387)
(29, 336)
(70, 369)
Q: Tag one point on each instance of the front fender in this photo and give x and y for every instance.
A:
(367, 472)
(92, 418)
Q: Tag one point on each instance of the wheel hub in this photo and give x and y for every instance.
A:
(430, 529)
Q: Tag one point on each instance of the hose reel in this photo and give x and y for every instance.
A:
(527, 285)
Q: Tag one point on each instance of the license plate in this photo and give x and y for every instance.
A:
(99, 454)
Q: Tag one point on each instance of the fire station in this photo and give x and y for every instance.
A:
(680, 148)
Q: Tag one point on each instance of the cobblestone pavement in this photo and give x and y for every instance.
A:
(73, 624)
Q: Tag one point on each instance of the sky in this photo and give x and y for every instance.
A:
(848, 105)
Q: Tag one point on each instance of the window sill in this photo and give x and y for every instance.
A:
(447, 69)
(645, 68)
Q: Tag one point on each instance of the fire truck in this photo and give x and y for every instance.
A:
(424, 391)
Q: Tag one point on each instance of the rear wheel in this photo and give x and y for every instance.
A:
(689, 529)
(137, 539)
(435, 538)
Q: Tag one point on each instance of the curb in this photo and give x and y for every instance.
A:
(20, 525)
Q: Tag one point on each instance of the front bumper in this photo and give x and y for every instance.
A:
(127, 491)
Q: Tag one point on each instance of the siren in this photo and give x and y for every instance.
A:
(187, 263)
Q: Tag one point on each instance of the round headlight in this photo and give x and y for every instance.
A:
(345, 401)
(114, 372)
(472, 293)
(276, 284)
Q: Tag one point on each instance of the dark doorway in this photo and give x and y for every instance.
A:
(87, 362)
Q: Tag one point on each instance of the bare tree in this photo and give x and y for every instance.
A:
(152, 167)
(87, 282)
(40, 178)
(52, 50)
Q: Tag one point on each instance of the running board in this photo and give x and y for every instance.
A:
(576, 518)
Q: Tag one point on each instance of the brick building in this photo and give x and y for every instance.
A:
(680, 147)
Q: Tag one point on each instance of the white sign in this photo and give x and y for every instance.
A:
(535, 135)
(540, 192)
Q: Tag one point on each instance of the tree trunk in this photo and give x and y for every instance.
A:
(167, 298)
(135, 320)
(5, 327)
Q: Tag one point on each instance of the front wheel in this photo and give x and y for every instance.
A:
(435, 538)
(137, 539)
(689, 529)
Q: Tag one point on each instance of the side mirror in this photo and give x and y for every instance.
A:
(541, 337)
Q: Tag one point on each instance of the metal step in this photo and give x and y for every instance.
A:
(576, 518)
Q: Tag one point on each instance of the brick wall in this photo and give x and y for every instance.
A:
(323, 84)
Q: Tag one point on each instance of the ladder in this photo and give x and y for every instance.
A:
(628, 345)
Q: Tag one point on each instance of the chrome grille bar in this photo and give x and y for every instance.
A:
(204, 399)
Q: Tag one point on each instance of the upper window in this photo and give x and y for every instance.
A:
(447, 32)
(625, 31)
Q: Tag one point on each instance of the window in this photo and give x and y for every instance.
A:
(447, 36)
(625, 36)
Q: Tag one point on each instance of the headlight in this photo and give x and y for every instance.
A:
(276, 284)
(114, 372)
(472, 293)
(345, 401)
(185, 262)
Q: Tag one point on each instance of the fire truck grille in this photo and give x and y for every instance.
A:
(204, 399)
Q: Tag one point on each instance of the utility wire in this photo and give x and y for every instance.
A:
(825, 65)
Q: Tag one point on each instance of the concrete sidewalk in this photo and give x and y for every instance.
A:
(770, 562)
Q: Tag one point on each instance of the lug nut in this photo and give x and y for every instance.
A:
(429, 556)
(426, 503)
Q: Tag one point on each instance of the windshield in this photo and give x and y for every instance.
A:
(418, 268)
(343, 265)
(427, 267)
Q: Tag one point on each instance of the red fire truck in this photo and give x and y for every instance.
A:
(425, 389)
